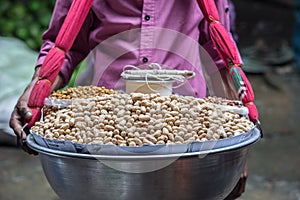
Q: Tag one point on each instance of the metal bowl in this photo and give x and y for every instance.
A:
(210, 174)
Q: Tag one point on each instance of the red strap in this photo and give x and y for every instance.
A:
(209, 10)
(220, 36)
(72, 24)
(65, 38)
(228, 51)
(55, 57)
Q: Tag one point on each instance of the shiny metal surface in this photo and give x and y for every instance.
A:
(200, 175)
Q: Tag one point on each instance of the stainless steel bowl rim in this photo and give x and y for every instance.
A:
(31, 143)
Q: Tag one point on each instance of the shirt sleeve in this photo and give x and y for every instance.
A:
(205, 39)
(80, 48)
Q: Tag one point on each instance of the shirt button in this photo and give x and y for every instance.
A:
(147, 17)
(145, 60)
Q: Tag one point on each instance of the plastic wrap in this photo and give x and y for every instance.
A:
(102, 149)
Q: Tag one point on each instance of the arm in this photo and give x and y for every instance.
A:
(21, 111)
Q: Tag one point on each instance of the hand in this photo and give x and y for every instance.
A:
(240, 187)
(222, 85)
(20, 114)
(23, 113)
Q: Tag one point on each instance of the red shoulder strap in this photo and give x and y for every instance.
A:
(228, 51)
(56, 56)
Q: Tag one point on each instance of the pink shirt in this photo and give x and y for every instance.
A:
(139, 32)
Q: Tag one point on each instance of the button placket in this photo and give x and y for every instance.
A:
(147, 31)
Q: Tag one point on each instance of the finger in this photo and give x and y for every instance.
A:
(21, 141)
(27, 149)
(15, 123)
(24, 110)
(21, 137)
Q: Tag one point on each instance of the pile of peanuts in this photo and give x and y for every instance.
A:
(136, 119)
(59, 99)
(81, 92)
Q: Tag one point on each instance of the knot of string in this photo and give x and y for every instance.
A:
(157, 73)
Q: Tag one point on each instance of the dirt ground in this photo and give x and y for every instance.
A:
(273, 162)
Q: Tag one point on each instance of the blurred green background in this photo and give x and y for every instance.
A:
(25, 19)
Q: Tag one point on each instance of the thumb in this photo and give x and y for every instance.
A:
(24, 111)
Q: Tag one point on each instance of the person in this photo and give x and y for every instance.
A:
(133, 32)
